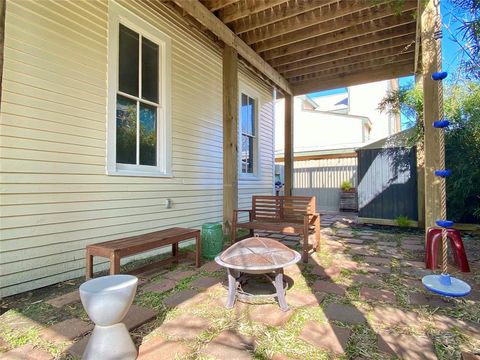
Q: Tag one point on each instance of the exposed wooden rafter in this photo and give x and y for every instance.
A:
(325, 13)
(405, 41)
(288, 10)
(379, 55)
(351, 43)
(213, 24)
(245, 8)
(379, 73)
(342, 35)
(214, 5)
(354, 67)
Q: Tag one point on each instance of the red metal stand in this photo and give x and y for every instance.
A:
(434, 239)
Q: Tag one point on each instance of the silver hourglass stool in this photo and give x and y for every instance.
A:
(106, 300)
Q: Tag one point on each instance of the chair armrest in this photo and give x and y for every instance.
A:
(313, 215)
(235, 213)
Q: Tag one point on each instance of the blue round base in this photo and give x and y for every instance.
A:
(446, 285)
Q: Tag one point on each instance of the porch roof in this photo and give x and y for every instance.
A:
(311, 45)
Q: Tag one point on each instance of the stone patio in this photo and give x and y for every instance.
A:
(359, 297)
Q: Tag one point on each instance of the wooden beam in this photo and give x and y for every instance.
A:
(390, 53)
(363, 18)
(342, 54)
(338, 36)
(214, 5)
(246, 8)
(230, 135)
(289, 146)
(287, 10)
(431, 56)
(418, 35)
(326, 13)
(420, 156)
(356, 67)
(3, 5)
(351, 43)
(354, 78)
(212, 23)
(318, 157)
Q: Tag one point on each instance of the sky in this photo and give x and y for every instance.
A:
(451, 51)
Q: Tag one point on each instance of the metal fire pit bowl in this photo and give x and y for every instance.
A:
(257, 255)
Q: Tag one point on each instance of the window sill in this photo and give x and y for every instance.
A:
(138, 173)
(249, 177)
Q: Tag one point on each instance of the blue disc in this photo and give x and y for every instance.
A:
(441, 124)
(443, 173)
(444, 223)
(439, 75)
(446, 285)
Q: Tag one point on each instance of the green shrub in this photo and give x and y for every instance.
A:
(402, 221)
(346, 185)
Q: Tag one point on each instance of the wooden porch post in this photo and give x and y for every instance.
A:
(2, 43)
(288, 151)
(420, 172)
(230, 135)
(430, 58)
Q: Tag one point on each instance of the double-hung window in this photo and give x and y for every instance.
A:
(139, 125)
(248, 111)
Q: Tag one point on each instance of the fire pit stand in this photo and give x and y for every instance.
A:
(256, 255)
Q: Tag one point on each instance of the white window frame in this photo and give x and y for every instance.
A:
(119, 15)
(256, 148)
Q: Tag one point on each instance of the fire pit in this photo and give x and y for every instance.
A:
(257, 255)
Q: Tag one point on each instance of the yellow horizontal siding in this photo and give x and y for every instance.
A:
(55, 196)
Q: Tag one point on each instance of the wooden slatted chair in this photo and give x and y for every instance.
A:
(285, 214)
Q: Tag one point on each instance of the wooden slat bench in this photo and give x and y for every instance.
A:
(285, 214)
(116, 249)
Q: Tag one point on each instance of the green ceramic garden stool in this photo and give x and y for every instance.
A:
(212, 240)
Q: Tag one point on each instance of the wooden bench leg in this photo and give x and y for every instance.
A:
(198, 250)
(317, 233)
(114, 264)
(89, 266)
(175, 253)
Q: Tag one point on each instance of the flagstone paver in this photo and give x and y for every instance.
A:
(413, 247)
(161, 349)
(370, 294)
(328, 287)
(270, 314)
(444, 323)
(366, 279)
(386, 243)
(353, 241)
(183, 298)
(179, 275)
(27, 352)
(330, 272)
(78, 347)
(185, 327)
(65, 299)
(407, 347)
(388, 315)
(344, 313)
(230, 345)
(17, 321)
(325, 336)
(376, 269)
(345, 264)
(470, 356)
(137, 316)
(377, 260)
(210, 266)
(160, 286)
(65, 330)
(418, 298)
(297, 298)
(205, 282)
(413, 263)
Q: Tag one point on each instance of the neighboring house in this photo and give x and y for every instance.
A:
(327, 131)
(109, 114)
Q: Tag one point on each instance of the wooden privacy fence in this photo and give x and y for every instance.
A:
(322, 178)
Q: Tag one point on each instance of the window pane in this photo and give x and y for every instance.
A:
(252, 115)
(247, 154)
(149, 70)
(126, 130)
(148, 135)
(245, 115)
(128, 61)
